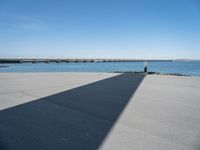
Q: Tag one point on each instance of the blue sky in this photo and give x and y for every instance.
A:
(159, 29)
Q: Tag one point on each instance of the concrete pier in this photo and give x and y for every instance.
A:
(104, 111)
(34, 60)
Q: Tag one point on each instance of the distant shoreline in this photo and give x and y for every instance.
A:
(86, 60)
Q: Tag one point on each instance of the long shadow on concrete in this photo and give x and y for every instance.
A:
(77, 119)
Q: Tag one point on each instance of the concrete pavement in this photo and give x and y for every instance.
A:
(104, 111)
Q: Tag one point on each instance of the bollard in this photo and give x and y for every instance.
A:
(145, 67)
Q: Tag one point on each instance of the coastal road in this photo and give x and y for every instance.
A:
(104, 111)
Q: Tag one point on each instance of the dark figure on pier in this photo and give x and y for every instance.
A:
(145, 67)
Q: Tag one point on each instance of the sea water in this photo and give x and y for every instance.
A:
(176, 67)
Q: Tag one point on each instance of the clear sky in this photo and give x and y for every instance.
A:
(160, 29)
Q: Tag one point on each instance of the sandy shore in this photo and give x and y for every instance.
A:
(90, 111)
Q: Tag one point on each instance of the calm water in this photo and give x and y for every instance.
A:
(186, 68)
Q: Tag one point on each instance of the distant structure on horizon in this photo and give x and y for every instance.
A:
(68, 60)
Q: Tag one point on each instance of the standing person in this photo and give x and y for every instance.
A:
(145, 67)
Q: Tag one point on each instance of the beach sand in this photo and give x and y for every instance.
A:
(107, 111)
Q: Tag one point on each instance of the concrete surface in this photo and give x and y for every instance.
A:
(19, 88)
(107, 111)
